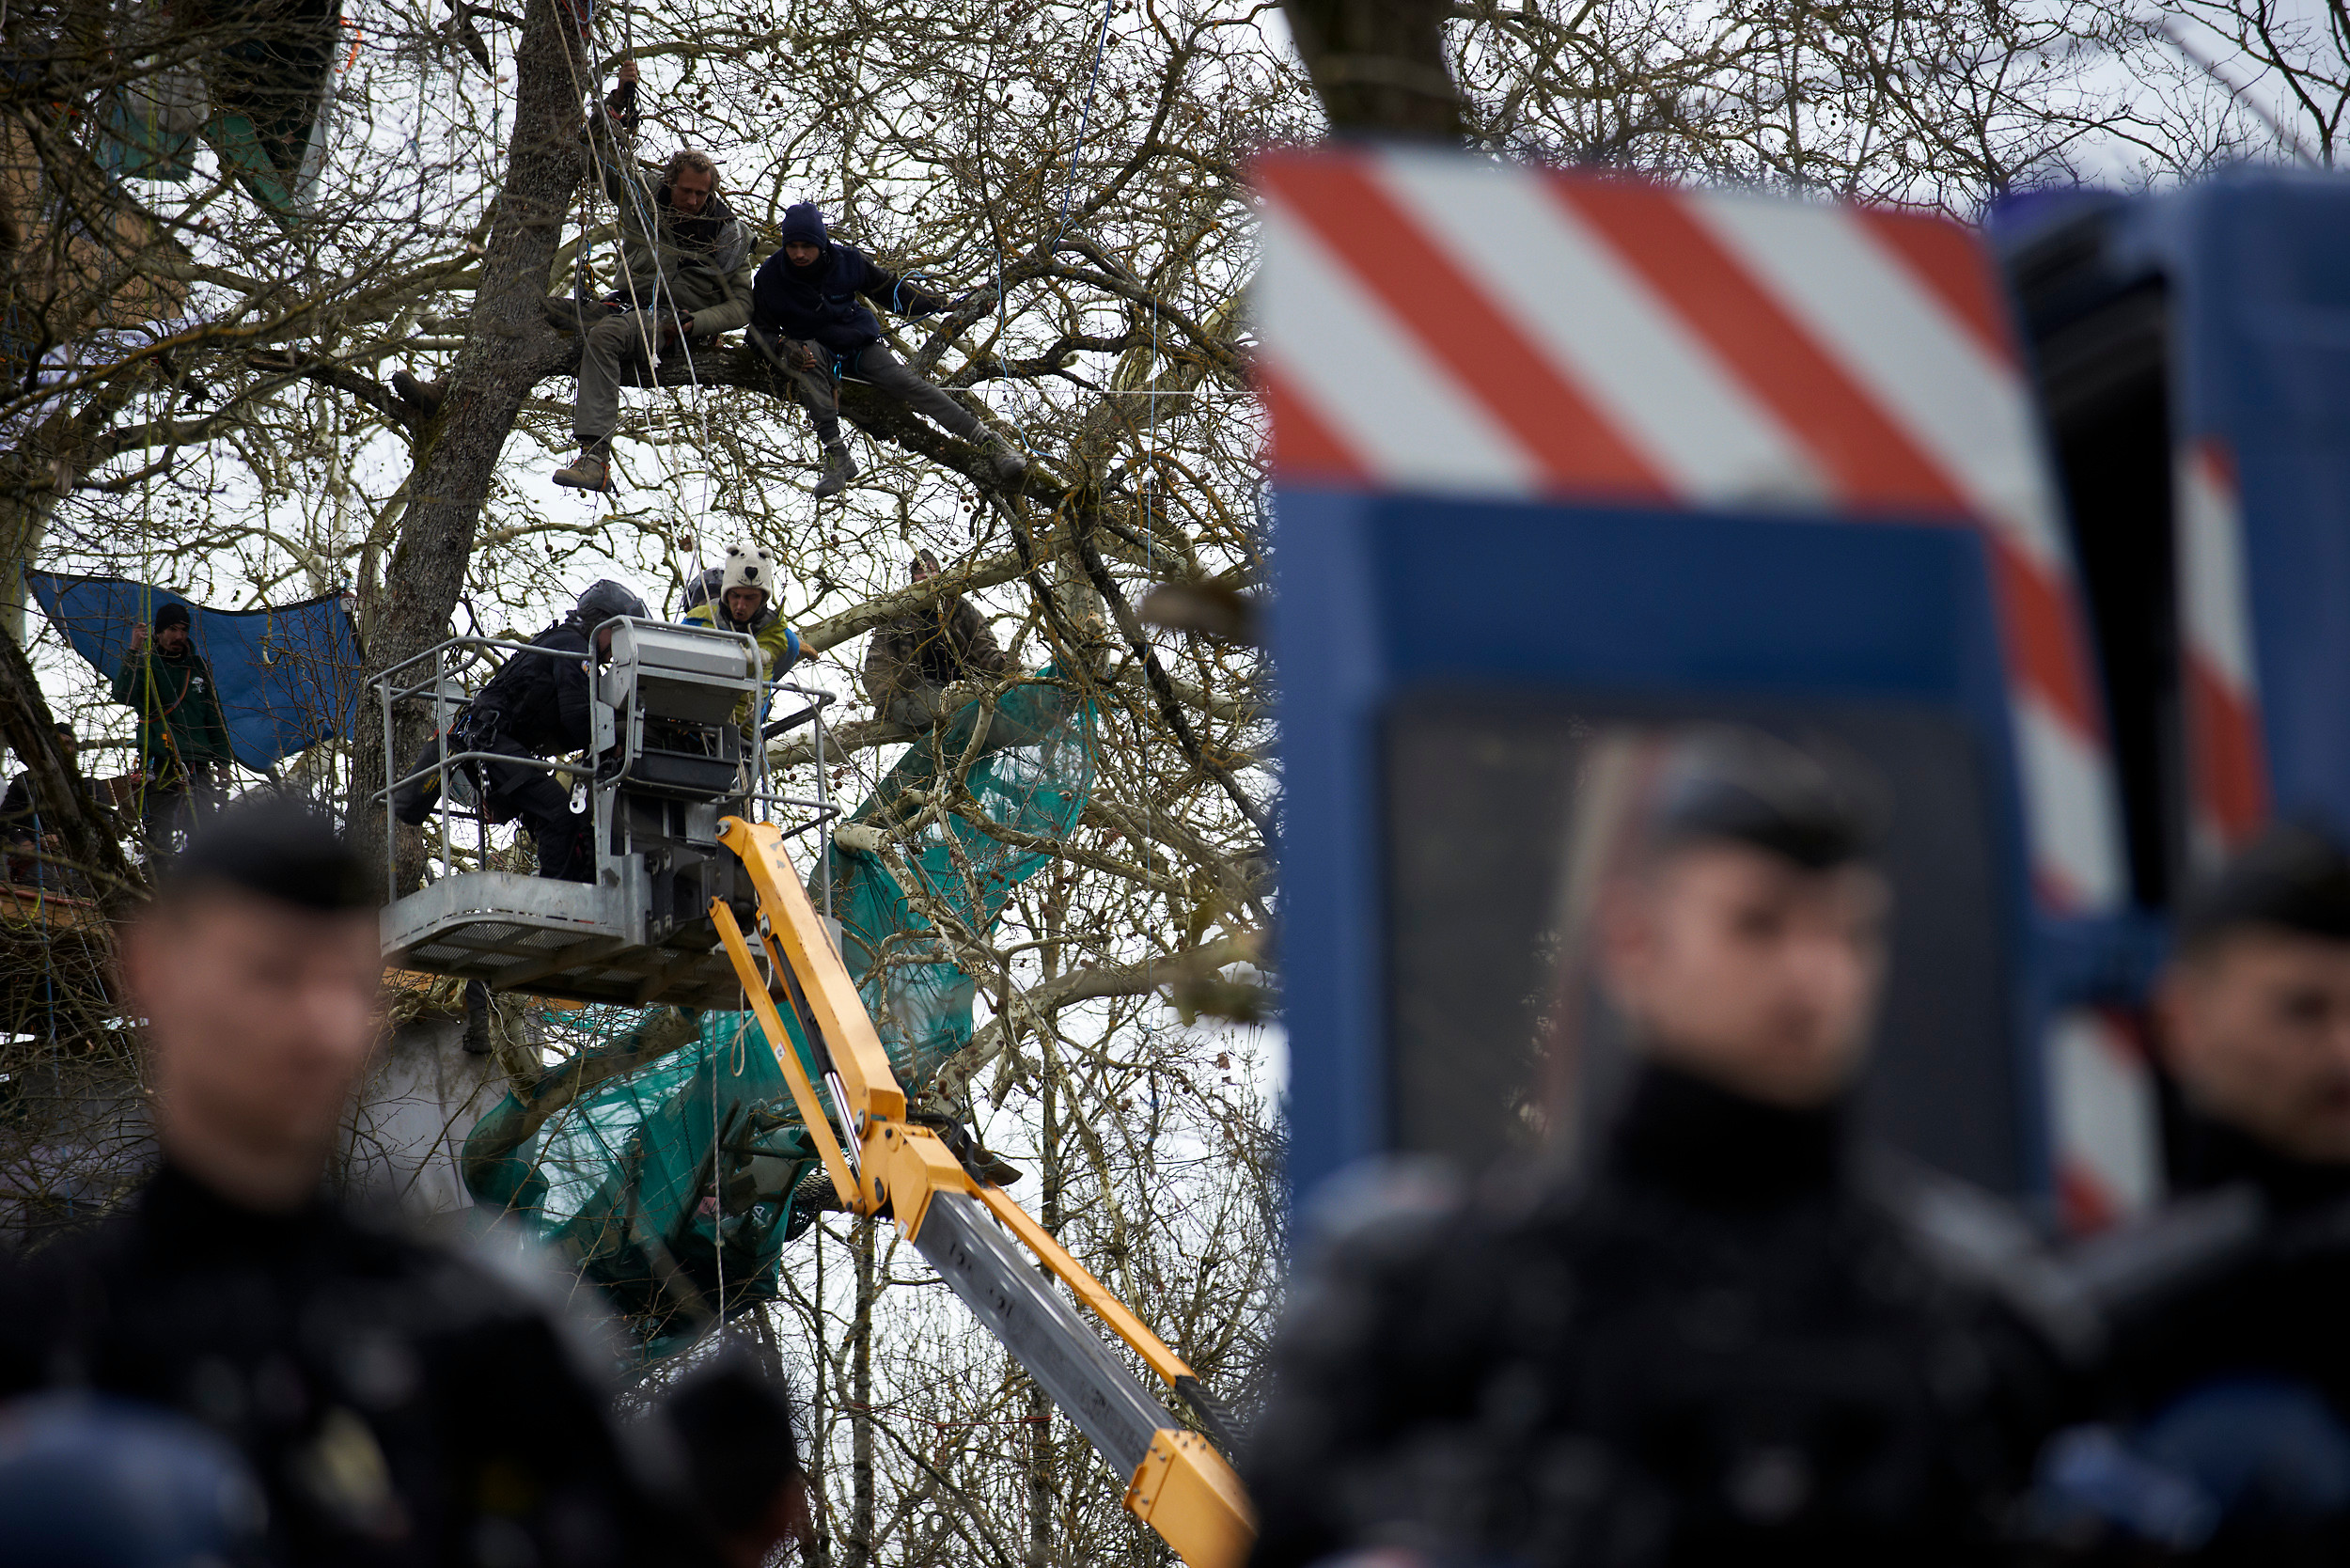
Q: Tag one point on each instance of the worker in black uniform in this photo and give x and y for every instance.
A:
(399, 1401)
(538, 705)
(2228, 1437)
(1722, 1340)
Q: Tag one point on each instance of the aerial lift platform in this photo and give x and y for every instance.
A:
(696, 903)
(669, 763)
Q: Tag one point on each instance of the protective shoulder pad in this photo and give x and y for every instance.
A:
(1380, 1206)
(1978, 1240)
(2134, 1270)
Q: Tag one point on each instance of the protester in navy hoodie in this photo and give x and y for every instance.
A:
(808, 310)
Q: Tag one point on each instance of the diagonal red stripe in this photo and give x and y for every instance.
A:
(2219, 463)
(1456, 324)
(2082, 1200)
(1303, 445)
(1871, 460)
(2044, 638)
(1949, 261)
(2230, 768)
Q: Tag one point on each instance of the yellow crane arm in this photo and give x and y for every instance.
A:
(880, 1163)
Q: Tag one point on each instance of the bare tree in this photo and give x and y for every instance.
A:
(205, 400)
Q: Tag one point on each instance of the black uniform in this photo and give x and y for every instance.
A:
(538, 704)
(2262, 1305)
(2285, 1307)
(1722, 1347)
(400, 1403)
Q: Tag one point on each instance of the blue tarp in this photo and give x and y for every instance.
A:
(288, 674)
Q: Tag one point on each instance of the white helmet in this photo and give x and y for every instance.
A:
(749, 566)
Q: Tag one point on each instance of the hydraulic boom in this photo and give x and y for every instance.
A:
(1178, 1482)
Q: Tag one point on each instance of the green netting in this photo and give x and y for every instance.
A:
(609, 1159)
(1032, 775)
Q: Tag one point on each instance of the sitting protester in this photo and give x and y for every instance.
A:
(537, 706)
(911, 660)
(685, 278)
(28, 831)
(808, 310)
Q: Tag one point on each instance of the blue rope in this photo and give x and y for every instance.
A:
(1084, 123)
(1069, 187)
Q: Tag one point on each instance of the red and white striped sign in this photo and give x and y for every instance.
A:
(1438, 323)
(2108, 1123)
(2227, 764)
(1443, 324)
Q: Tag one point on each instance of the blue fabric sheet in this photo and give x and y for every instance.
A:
(288, 674)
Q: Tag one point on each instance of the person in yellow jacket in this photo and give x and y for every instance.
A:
(745, 603)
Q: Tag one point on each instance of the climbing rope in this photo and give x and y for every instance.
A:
(1084, 123)
(626, 179)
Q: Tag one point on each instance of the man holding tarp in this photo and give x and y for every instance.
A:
(183, 736)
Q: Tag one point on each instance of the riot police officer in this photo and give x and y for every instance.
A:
(398, 1402)
(2228, 1436)
(1724, 1338)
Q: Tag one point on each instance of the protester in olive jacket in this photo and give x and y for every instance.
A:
(686, 278)
(809, 310)
(183, 738)
(912, 659)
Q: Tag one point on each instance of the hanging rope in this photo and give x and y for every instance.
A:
(1084, 123)
(625, 178)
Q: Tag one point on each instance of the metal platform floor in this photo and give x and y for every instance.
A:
(573, 940)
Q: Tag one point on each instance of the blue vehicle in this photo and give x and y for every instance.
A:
(2050, 526)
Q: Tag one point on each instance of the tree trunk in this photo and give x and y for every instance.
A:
(1378, 66)
(509, 349)
(34, 477)
(87, 842)
(1040, 1405)
(857, 1550)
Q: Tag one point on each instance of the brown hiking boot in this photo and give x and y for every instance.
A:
(418, 392)
(590, 470)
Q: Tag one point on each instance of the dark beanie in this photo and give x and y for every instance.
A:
(802, 221)
(277, 845)
(1744, 787)
(171, 615)
(2295, 876)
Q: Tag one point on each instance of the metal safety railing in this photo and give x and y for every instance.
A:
(449, 676)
